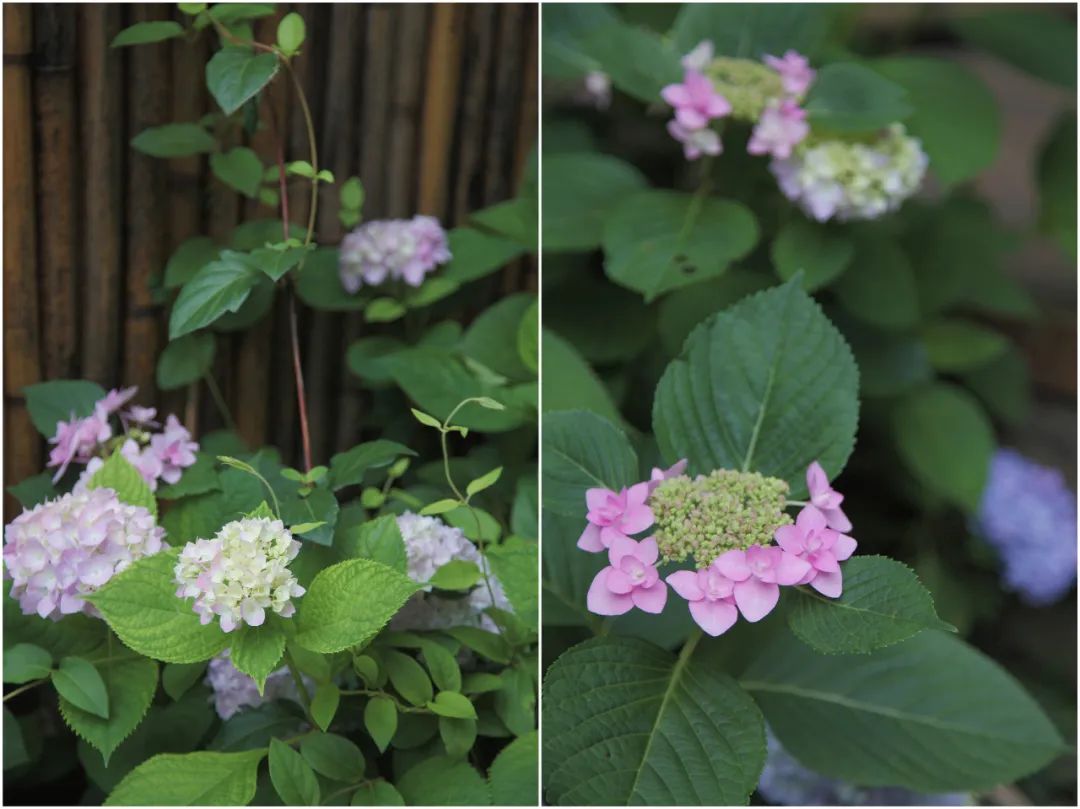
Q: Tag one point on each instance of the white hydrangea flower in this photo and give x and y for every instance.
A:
(234, 690)
(850, 181)
(240, 573)
(429, 544)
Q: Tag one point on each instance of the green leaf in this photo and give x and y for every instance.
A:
(569, 381)
(1057, 184)
(486, 644)
(130, 685)
(174, 140)
(381, 720)
(656, 241)
(319, 285)
(383, 310)
(141, 607)
(581, 450)
(945, 440)
(443, 781)
(131, 488)
(257, 651)
(24, 662)
(491, 338)
(324, 704)
(191, 779)
(333, 756)
(516, 219)
(751, 30)
(79, 683)
(426, 419)
(638, 61)
(313, 517)
(528, 337)
(190, 257)
(290, 33)
(142, 33)
(348, 468)
(275, 263)
(453, 705)
(185, 360)
(485, 481)
(178, 678)
(916, 714)
(348, 603)
(567, 573)
(34, 490)
(293, 779)
(379, 540)
(476, 254)
(234, 75)
(443, 666)
(821, 253)
(890, 363)
(514, 563)
(1004, 386)
(737, 396)
(352, 194)
(955, 115)
(955, 345)
(219, 287)
(407, 677)
(1041, 42)
(239, 168)
(883, 603)
(60, 400)
(580, 191)
(457, 574)
(253, 728)
(625, 722)
(458, 735)
(513, 773)
(199, 478)
(879, 286)
(15, 753)
(377, 792)
(846, 97)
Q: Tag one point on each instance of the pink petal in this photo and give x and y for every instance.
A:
(637, 494)
(685, 583)
(597, 499)
(810, 519)
(790, 568)
(602, 601)
(714, 617)
(788, 537)
(756, 599)
(824, 561)
(590, 539)
(816, 479)
(620, 548)
(828, 584)
(717, 106)
(609, 535)
(636, 519)
(618, 582)
(650, 599)
(838, 520)
(844, 547)
(676, 95)
(647, 551)
(690, 118)
(733, 565)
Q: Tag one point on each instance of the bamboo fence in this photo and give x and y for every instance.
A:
(433, 106)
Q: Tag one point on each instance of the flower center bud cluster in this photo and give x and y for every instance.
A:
(747, 85)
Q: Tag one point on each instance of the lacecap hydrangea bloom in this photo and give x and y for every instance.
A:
(241, 573)
(62, 550)
(429, 544)
(233, 690)
(1028, 515)
(392, 249)
(786, 782)
(734, 527)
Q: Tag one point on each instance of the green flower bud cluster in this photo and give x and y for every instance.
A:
(746, 84)
(724, 510)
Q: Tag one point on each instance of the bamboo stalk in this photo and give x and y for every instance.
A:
(22, 455)
(480, 33)
(440, 106)
(405, 109)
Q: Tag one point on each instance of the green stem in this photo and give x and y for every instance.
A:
(219, 401)
(22, 688)
(305, 697)
(402, 707)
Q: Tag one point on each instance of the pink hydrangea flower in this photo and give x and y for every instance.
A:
(780, 128)
(116, 398)
(631, 580)
(823, 548)
(825, 498)
(144, 416)
(696, 142)
(699, 58)
(174, 449)
(758, 573)
(401, 249)
(796, 75)
(612, 516)
(76, 440)
(711, 595)
(696, 101)
(659, 475)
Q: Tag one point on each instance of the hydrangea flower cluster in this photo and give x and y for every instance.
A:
(62, 550)
(845, 180)
(429, 544)
(234, 690)
(728, 522)
(397, 249)
(157, 455)
(786, 782)
(241, 573)
(1028, 514)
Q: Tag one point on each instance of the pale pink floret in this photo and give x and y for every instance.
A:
(821, 547)
(116, 398)
(758, 573)
(614, 515)
(631, 580)
(699, 58)
(174, 449)
(796, 75)
(711, 595)
(696, 101)
(780, 128)
(659, 475)
(696, 142)
(825, 498)
(76, 440)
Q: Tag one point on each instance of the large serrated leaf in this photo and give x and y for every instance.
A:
(582, 450)
(257, 651)
(141, 607)
(443, 781)
(118, 474)
(219, 287)
(626, 722)
(514, 563)
(130, 685)
(191, 779)
(512, 776)
(883, 603)
(768, 386)
(930, 714)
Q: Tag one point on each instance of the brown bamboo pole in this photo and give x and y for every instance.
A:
(408, 86)
(504, 104)
(528, 274)
(480, 35)
(147, 217)
(440, 106)
(101, 104)
(57, 173)
(22, 451)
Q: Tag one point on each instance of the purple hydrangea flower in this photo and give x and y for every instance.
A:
(1028, 514)
(61, 550)
(396, 249)
(234, 690)
(786, 782)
